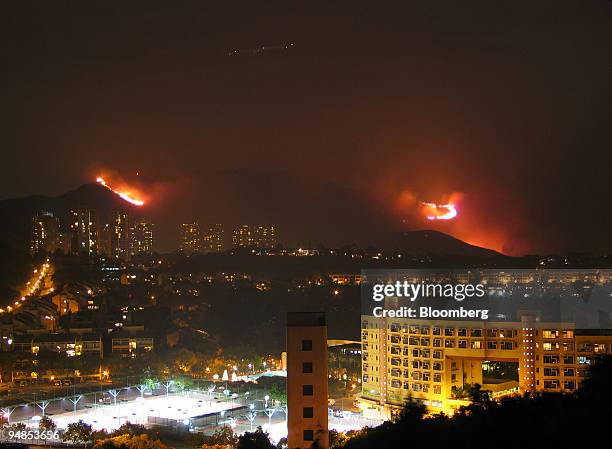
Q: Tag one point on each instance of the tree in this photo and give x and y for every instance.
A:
(130, 442)
(255, 440)
(412, 412)
(278, 393)
(78, 432)
(184, 360)
(16, 427)
(317, 443)
(184, 384)
(596, 386)
(46, 423)
(224, 436)
(150, 381)
(479, 396)
(459, 392)
(487, 421)
(130, 429)
(101, 434)
(337, 439)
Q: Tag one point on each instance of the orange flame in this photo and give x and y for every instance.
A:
(439, 211)
(126, 195)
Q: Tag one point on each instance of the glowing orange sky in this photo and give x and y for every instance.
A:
(463, 216)
(126, 192)
(435, 211)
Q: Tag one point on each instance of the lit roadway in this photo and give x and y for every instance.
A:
(40, 284)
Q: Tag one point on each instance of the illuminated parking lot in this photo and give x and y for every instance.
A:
(187, 409)
(143, 410)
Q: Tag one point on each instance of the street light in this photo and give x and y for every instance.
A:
(270, 412)
(167, 385)
(8, 411)
(251, 415)
(75, 401)
(43, 406)
(114, 394)
(141, 389)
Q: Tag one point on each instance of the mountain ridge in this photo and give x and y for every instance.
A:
(429, 241)
(17, 213)
(16, 231)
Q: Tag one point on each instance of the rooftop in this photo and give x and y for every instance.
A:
(306, 319)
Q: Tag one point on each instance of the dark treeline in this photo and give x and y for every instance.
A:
(544, 420)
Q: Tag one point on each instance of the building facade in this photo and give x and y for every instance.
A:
(70, 345)
(45, 236)
(104, 240)
(213, 239)
(241, 237)
(120, 236)
(190, 238)
(432, 361)
(84, 232)
(141, 237)
(307, 379)
(264, 237)
(129, 344)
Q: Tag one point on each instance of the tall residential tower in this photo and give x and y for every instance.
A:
(141, 237)
(191, 241)
(45, 233)
(213, 239)
(84, 232)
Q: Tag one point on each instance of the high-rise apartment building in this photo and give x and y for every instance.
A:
(191, 240)
(104, 240)
(264, 237)
(213, 239)
(120, 236)
(65, 242)
(45, 234)
(141, 237)
(241, 237)
(307, 379)
(84, 232)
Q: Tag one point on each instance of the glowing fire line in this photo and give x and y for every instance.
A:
(124, 195)
(437, 211)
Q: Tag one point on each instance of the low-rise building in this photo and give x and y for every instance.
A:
(131, 341)
(61, 343)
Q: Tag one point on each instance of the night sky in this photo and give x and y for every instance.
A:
(351, 115)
